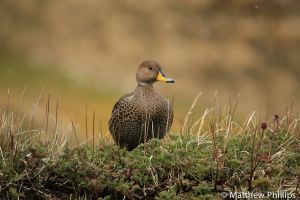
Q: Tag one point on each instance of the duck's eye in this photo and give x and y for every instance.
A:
(150, 68)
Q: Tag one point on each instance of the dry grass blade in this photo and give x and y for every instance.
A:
(35, 104)
(186, 119)
(75, 133)
(93, 133)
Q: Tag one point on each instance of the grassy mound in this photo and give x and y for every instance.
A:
(186, 166)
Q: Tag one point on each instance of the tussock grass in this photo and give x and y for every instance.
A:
(212, 154)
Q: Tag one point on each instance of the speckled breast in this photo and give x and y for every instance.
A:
(140, 116)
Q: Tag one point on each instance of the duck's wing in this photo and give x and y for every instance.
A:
(121, 101)
(117, 114)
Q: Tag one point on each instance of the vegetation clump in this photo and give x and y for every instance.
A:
(221, 157)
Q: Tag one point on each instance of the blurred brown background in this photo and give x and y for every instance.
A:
(87, 52)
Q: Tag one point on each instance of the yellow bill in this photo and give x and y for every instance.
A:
(162, 77)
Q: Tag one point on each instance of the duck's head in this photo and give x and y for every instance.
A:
(149, 72)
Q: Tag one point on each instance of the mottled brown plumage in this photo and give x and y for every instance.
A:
(142, 114)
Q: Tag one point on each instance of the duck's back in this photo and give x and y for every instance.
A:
(140, 116)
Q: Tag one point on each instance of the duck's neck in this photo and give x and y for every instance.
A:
(144, 85)
(144, 88)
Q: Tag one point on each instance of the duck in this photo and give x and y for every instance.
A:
(143, 114)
